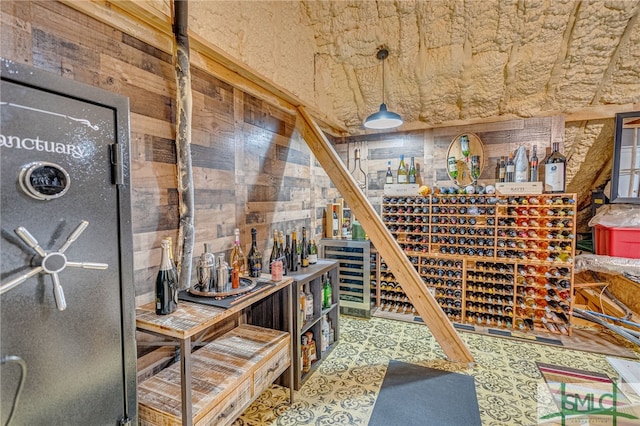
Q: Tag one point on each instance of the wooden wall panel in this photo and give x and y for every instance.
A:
(250, 166)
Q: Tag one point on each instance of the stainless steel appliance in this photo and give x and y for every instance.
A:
(66, 283)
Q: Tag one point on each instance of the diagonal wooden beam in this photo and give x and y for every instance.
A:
(422, 300)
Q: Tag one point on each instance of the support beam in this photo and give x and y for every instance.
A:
(422, 300)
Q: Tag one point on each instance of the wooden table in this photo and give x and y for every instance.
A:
(192, 318)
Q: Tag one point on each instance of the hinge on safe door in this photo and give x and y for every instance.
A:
(117, 167)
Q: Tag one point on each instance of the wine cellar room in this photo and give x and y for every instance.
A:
(299, 212)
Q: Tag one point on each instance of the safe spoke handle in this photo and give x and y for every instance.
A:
(19, 280)
(58, 293)
(88, 265)
(29, 240)
(74, 235)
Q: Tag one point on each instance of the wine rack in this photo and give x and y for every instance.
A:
(493, 260)
(392, 297)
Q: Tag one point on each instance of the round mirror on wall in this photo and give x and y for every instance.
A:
(465, 159)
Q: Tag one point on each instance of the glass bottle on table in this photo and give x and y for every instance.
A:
(502, 169)
(293, 261)
(166, 282)
(274, 249)
(304, 253)
(555, 171)
(403, 173)
(254, 259)
(281, 252)
(389, 175)
(286, 255)
(533, 165)
(313, 253)
(237, 255)
(413, 174)
(510, 174)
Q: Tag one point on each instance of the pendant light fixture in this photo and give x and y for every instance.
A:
(383, 119)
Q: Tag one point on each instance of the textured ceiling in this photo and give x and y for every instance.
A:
(449, 59)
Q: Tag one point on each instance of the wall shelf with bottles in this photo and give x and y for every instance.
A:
(493, 260)
(311, 325)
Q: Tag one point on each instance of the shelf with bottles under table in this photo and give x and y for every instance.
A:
(311, 277)
(217, 379)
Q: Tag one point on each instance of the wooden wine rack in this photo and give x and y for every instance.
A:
(491, 260)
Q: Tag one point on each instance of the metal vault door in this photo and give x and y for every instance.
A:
(66, 284)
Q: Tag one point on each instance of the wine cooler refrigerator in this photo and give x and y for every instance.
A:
(66, 285)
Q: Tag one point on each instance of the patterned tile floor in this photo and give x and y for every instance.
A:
(343, 390)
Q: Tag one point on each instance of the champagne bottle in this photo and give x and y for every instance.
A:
(287, 254)
(313, 253)
(413, 174)
(255, 257)
(510, 174)
(237, 255)
(389, 176)
(554, 171)
(293, 262)
(533, 165)
(304, 254)
(166, 282)
(274, 249)
(402, 171)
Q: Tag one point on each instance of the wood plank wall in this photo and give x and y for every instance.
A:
(251, 167)
(429, 147)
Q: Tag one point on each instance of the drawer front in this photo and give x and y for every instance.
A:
(271, 369)
(230, 407)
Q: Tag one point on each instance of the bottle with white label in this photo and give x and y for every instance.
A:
(555, 171)
(522, 165)
(308, 314)
(403, 174)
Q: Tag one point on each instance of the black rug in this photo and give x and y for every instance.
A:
(415, 395)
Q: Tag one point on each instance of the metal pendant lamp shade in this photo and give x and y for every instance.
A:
(383, 119)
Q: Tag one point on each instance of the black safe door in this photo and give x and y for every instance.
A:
(62, 278)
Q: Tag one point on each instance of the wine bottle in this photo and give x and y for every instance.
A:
(389, 176)
(293, 262)
(554, 171)
(287, 254)
(533, 165)
(237, 255)
(255, 257)
(308, 303)
(313, 253)
(402, 171)
(304, 254)
(166, 282)
(413, 174)
(510, 174)
(274, 249)
(522, 165)
(327, 293)
(452, 165)
(501, 169)
(280, 252)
